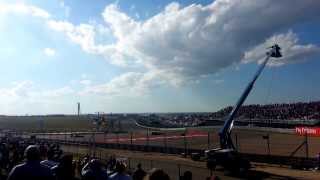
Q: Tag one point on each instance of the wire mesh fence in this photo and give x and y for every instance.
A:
(264, 143)
(174, 169)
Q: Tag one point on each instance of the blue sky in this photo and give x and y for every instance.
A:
(154, 56)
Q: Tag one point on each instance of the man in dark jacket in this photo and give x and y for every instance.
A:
(139, 173)
(31, 169)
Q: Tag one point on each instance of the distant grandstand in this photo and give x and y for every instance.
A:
(292, 111)
(286, 115)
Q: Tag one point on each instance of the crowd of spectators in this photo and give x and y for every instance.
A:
(31, 160)
(289, 111)
(300, 111)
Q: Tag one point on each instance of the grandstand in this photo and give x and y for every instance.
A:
(286, 115)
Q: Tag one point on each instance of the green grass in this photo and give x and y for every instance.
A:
(50, 123)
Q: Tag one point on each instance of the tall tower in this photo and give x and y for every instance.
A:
(78, 110)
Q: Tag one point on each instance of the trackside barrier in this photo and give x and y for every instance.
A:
(303, 161)
(295, 162)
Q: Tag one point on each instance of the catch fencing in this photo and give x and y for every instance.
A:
(277, 148)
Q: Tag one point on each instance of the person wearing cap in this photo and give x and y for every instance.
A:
(31, 169)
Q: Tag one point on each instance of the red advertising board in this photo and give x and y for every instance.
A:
(311, 131)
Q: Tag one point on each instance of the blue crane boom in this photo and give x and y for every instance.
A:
(225, 132)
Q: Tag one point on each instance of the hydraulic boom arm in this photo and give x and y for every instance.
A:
(225, 132)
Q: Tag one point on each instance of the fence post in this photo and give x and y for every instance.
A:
(65, 136)
(131, 139)
(236, 136)
(267, 137)
(268, 141)
(208, 140)
(148, 139)
(185, 144)
(165, 142)
(118, 143)
(238, 143)
(307, 145)
(89, 144)
(94, 145)
(179, 171)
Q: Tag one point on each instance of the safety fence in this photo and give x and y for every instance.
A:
(262, 143)
(276, 148)
(196, 154)
(174, 169)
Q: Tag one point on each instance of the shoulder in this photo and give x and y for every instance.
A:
(45, 170)
(120, 176)
(127, 177)
(16, 172)
(19, 167)
(113, 176)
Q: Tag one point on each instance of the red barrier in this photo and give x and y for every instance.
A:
(312, 131)
(192, 132)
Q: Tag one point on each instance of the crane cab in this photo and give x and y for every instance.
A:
(229, 159)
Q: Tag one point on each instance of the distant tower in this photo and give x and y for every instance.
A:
(78, 111)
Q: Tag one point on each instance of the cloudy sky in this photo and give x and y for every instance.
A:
(154, 56)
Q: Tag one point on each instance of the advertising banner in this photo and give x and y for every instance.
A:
(310, 131)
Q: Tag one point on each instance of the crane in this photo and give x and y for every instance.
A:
(227, 155)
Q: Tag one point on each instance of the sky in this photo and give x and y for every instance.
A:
(154, 56)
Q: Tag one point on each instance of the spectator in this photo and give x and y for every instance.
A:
(187, 175)
(157, 174)
(318, 161)
(65, 169)
(4, 156)
(93, 171)
(31, 169)
(111, 163)
(214, 177)
(120, 173)
(139, 173)
(49, 162)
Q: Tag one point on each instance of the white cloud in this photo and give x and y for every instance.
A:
(27, 92)
(195, 40)
(83, 34)
(49, 52)
(19, 89)
(85, 82)
(181, 44)
(203, 39)
(84, 76)
(26, 96)
(54, 93)
(129, 84)
(134, 84)
(24, 9)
